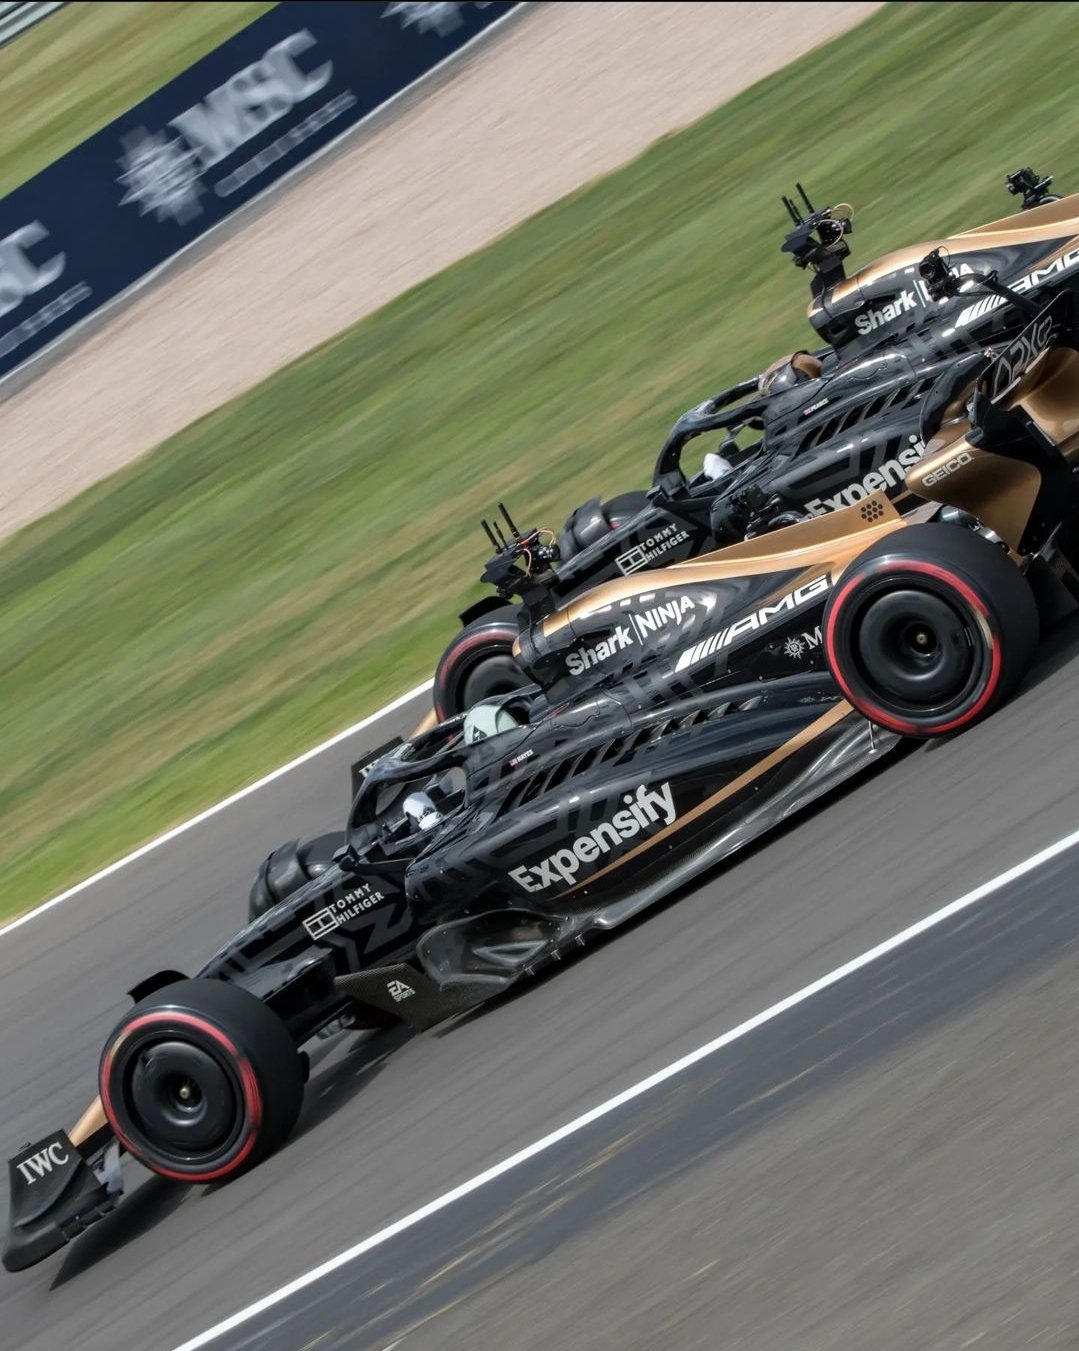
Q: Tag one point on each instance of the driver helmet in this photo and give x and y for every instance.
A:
(487, 720)
(787, 372)
(419, 808)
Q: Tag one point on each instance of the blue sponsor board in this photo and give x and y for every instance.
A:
(157, 179)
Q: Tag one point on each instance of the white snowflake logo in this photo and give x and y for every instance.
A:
(161, 176)
(794, 648)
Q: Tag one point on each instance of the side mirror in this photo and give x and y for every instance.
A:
(347, 859)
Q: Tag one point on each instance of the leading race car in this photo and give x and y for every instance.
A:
(676, 715)
(830, 427)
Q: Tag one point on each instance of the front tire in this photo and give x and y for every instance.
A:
(200, 1081)
(929, 630)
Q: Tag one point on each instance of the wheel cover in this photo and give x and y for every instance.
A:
(918, 652)
(183, 1099)
(181, 1096)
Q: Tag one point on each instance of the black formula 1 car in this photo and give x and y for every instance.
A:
(829, 427)
(676, 715)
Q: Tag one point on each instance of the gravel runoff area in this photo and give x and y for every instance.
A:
(567, 93)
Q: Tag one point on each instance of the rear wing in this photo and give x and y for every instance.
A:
(1001, 423)
(981, 382)
(1053, 327)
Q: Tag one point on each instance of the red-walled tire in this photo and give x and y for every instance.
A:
(478, 664)
(929, 630)
(200, 1080)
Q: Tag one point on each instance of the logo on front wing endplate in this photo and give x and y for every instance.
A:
(36, 1166)
(645, 808)
(751, 623)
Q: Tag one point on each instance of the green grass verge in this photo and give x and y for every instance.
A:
(79, 68)
(294, 559)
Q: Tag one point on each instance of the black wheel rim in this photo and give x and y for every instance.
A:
(181, 1101)
(915, 649)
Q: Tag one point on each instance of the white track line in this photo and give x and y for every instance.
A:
(217, 807)
(620, 1099)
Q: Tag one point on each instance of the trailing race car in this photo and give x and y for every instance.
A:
(831, 426)
(676, 715)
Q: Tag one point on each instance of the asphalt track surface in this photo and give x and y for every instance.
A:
(891, 1164)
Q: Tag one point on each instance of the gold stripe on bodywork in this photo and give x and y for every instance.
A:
(822, 724)
(821, 542)
(996, 489)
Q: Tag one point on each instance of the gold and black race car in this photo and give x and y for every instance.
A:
(675, 715)
(818, 431)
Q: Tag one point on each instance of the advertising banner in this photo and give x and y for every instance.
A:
(160, 177)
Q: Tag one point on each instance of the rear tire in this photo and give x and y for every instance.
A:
(478, 664)
(929, 630)
(200, 1081)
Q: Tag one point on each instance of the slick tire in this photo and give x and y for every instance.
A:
(200, 1081)
(929, 630)
(478, 664)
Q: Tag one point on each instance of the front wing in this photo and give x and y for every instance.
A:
(59, 1188)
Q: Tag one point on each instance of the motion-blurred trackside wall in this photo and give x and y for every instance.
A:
(129, 199)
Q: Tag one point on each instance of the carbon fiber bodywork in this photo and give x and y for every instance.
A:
(861, 424)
